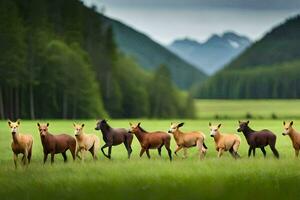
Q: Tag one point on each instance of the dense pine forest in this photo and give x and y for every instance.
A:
(270, 68)
(59, 60)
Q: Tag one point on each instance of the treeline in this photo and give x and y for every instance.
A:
(270, 68)
(277, 81)
(59, 60)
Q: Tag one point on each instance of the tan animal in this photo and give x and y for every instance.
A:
(294, 135)
(86, 142)
(20, 143)
(188, 140)
(225, 142)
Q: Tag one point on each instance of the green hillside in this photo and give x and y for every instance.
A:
(58, 59)
(150, 54)
(270, 68)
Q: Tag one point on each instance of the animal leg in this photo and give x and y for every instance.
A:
(25, 157)
(148, 154)
(128, 148)
(159, 150)
(45, 157)
(167, 145)
(201, 149)
(263, 151)
(253, 152)
(77, 153)
(52, 157)
(274, 150)
(102, 149)
(296, 152)
(249, 152)
(109, 152)
(29, 155)
(177, 149)
(232, 153)
(184, 152)
(93, 152)
(220, 153)
(64, 156)
(15, 160)
(142, 152)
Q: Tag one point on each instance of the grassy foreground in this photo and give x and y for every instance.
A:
(140, 178)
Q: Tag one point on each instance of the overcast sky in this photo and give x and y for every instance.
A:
(166, 20)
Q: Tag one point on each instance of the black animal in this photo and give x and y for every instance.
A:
(258, 139)
(113, 137)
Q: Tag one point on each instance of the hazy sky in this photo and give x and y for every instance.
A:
(166, 20)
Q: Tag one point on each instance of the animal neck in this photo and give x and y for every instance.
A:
(247, 131)
(217, 136)
(140, 134)
(293, 134)
(177, 133)
(80, 136)
(105, 128)
(15, 137)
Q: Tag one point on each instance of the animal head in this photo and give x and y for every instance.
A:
(243, 126)
(287, 128)
(134, 127)
(43, 129)
(174, 127)
(78, 129)
(14, 126)
(214, 129)
(100, 123)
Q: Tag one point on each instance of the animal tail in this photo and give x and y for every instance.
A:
(204, 145)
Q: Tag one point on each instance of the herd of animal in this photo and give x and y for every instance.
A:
(82, 142)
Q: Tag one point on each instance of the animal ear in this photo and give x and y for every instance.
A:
(209, 124)
(291, 123)
(38, 124)
(283, 123)
(219, 125)
(18, 121)
(239, 121)
(180, 125)
(130, 124)
(139, 124)
(82, 125)
(47, 124)
(247, 122)
(74, 124)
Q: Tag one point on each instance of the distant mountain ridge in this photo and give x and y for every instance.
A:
(213, 54)
(149, 54)
(269, 68)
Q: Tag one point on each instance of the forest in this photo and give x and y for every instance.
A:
(59, 60)
(270, 68)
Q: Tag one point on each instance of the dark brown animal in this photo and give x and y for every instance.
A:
(55, 144)
(258, 139)
(113, 137)
(153, 140)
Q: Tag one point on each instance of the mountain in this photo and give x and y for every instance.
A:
(213, 54)
(149, 54)
(270, 68)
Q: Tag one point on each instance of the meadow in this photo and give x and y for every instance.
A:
(157, 178)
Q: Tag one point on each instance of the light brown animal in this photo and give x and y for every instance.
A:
(188, 140)
(86, 142)
(225, 142)
(20, 143)
(294, 135)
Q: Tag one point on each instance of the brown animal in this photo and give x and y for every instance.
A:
(225, 142)
(153, 140)
(20, 144)
(188, 140)
(55, 144)
(294, 135)
(86, 142)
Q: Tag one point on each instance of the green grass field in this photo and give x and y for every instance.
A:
(258, 109)
(158, 178)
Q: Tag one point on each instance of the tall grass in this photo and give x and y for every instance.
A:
(157, 178)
